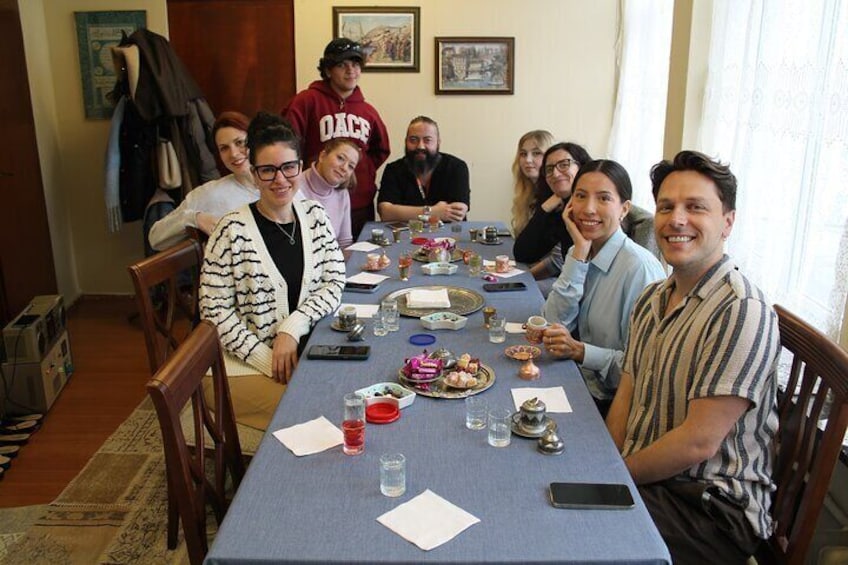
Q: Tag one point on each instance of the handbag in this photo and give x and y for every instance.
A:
(167, 164)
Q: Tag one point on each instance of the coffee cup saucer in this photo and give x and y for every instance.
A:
(519, 430)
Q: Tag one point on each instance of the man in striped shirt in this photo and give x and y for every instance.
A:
(695, 415)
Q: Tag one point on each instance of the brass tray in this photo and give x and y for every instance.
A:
(463, 301)
(438, 389)
(424, 257)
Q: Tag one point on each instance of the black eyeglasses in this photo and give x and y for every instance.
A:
(561, 166)
(269, 172)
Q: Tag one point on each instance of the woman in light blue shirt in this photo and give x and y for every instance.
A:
(603, 274)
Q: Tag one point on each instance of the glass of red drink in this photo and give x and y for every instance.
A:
(353, 425)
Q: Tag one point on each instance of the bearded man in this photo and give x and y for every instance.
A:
(424, 181)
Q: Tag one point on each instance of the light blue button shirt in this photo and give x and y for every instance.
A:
(593, 300)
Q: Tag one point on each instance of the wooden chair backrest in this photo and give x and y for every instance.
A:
(817, 390)
(177, 383)
(162, 332)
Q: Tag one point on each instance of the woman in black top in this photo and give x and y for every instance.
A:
(546, 228)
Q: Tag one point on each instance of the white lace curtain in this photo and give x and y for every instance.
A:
(776, 109)
(644, 43)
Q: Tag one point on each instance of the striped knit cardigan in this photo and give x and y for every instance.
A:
(246, 297)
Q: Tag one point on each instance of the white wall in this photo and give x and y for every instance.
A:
(564, 81)
(88, 258)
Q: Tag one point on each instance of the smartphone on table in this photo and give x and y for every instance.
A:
(504, 286)
(339, 352)
(590, 495)
(361, 287)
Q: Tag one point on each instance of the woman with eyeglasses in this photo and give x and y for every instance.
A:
(204, 206)
(603, 274)
(545, 229)
(329, 181)
(271, 270)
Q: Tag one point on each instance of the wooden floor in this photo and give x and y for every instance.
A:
(111, 370)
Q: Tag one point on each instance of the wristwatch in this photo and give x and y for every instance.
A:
(426, 210)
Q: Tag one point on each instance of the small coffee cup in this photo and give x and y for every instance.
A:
(372, 261)
(535, 327)
(347, 318)
(502, 264)
(490, 234)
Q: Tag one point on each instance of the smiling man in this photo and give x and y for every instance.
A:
(424, 181)
(694, 415)
(335, 107)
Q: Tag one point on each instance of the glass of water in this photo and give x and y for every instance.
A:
(475, 412)
(497, 329)
(500, 427)
(389, 314)
(392, 474)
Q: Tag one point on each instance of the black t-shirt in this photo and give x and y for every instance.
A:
(287, 257)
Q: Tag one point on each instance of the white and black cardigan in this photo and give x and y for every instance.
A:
(246, 297)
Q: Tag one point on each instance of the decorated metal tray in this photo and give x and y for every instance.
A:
(439, 389)
(422, 256)
(463, 301)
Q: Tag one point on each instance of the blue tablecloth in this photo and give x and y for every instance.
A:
(323, 508)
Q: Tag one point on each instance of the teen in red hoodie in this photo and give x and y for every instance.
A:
(335, 107)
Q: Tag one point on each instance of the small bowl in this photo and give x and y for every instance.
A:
(443, 321)
(404, 396)
(439, 268)
(382, 410)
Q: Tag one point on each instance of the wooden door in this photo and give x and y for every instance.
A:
(240, 52)
(26, 255)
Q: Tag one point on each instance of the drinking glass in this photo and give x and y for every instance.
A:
(475, 265)
(488, 312)
(500, 431)
(433, 220)
(392, 474)
(404, 264)
(475, 412)
(416, 226)
(456, 228)
(497, 329)
(389, 314)
(379, 327)
(353, 425)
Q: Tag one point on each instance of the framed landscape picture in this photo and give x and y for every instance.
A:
(389, 35)
(475, 65)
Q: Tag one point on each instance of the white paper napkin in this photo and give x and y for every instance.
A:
(423, 298)
(515, 328)
(362, 246)
(367, 278)
(554, 398)
(310, 437)
(428, 520)
(362, 310)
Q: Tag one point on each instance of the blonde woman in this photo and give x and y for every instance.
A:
(525, 172)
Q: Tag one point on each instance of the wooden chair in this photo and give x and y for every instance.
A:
(178, 383)
(163, 328)
(817, 390)
(176, 271)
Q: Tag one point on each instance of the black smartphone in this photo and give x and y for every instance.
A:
(590, 495)
(361, 287)
(398, 225)
(504, 233)
(504, 286)
(339, 352)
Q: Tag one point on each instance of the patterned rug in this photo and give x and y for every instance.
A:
(114, 511)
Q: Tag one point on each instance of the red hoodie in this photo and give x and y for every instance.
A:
(319, 113)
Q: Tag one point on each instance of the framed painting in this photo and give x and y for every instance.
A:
(389, 35)
(97, 33)
(475, 65)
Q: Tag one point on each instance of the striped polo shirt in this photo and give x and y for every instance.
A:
(721, 340)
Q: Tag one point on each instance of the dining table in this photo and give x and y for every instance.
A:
(323, 508)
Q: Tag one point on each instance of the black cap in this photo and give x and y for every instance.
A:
(342, 49)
